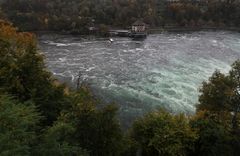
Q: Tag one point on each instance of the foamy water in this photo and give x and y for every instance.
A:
(165, 70)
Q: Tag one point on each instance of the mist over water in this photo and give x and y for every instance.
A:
(165, 70)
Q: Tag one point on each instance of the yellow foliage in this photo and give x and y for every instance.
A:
(20, 39)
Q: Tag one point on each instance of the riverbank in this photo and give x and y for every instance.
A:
(185, 29)
(156, 30)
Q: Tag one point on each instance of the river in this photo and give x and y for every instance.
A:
(164, 70)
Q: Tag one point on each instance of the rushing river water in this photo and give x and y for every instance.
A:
(165, 70)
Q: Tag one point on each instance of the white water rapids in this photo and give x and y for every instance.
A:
(165, 70)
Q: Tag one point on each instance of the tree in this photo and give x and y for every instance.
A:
(57, 140)
(80, 124)
(214, 93)
(18, 126)
(214, 135)
(161, 133)
(96, 130)
(234, 98)
(23, 73)
(221, 96)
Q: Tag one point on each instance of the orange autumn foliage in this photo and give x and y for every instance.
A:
(21, 40)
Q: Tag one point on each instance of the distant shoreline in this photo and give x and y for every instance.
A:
(186, 29)
(150, 30)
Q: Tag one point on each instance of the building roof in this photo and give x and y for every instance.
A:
(138, 22)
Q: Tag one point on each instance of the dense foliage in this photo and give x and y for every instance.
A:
(18, 126)
(78, 15)
(161, 133)
(39, 116)
(69, 120)
(23, 72)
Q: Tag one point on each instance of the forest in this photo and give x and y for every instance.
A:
(41, 116)
(76, 16)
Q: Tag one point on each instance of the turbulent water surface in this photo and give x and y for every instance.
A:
(165, 70)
